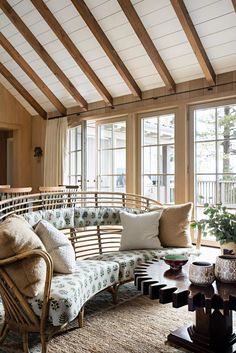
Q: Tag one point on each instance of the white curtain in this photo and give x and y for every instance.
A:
(55, 152)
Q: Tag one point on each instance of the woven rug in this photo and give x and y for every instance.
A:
(136, 325)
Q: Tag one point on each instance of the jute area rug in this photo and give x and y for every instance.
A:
(136, 325)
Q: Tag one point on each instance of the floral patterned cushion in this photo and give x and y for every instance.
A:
(70, 292)
(129, 259)
(97, 216)
(60, 218)
(79, 217)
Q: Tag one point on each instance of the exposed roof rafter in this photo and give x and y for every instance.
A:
(72, 49)
(23, 29)
(194, 40)
(234, 4)
(147, 43)
(107, 47)
(32, 74)
(18, 86)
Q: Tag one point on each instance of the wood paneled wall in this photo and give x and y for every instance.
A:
(3, 157)
(14, 117)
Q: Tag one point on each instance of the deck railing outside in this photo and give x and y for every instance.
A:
(208, 191)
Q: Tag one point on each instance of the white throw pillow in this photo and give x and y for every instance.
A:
(58, 246)
(140, 231)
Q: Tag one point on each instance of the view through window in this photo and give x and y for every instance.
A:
(75, 157)
(215, 157)
(112, 156)
(104, 154)
(158, 157)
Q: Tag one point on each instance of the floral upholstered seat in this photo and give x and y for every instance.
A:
(129, 259)
(70, 292)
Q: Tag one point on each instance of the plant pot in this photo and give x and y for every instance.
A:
(201, 273)
(225, 268)
(228, 248)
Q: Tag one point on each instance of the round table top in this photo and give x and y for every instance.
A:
(156, 279)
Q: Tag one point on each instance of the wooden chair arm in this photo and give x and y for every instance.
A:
(49, 272)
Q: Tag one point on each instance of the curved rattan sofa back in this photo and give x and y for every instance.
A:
(90, 219)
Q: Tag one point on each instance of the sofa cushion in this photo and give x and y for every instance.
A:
(70, 292)
(174, 229)
(140, 231)
(17, 237)
(60, 218)
(128, 260)
(58, 246)
(100, 216)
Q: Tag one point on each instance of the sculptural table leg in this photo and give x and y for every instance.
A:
(211, 333)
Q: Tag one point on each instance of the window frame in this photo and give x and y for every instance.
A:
(110, 121)
(191, 182)
(150, 114)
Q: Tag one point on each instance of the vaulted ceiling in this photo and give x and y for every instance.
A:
(57, 54)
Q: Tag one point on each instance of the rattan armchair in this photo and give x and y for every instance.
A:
(19, 316)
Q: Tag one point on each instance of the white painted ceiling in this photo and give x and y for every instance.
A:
(214, 20)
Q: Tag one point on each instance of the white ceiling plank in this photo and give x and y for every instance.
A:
(209, 12)
(150, 6)
(216, 25)
(223, 50)
(22, 7)
(195, 5)
(113, 21)
(56, 6)
(219, 38)
(158, 17)
(105, 9)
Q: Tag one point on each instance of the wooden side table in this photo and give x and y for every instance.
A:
(212, 330)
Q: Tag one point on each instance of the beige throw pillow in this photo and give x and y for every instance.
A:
(17, 237)
(140, 231)
(174, 229)
(58, 246)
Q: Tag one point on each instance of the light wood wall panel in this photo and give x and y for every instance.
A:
(14, 117)
(38, 140)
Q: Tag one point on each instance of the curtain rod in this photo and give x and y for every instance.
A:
(210, 88)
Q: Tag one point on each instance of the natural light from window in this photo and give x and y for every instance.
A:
(158, 158)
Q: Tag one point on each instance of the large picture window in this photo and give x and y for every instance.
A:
(75, 157)
(112, 156)
(214, 156)
(158, 157)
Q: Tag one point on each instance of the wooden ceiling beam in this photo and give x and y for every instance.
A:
(18, 86)
(147, 43)
(194, 40)
(98, 33)
(30, 38)
(72, 49)
(234, 4)
(32, 74)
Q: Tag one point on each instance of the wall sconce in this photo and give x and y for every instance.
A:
(38, 152)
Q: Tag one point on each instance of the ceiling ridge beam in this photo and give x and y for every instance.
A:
(32, 74)
(147, 42)
(23, 92)
(72, 49)
(35, 44)
(194, 40)
(102, 39)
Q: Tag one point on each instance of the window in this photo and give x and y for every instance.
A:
(112, 156)
(214, 156)
(75, 157)
(158, 157)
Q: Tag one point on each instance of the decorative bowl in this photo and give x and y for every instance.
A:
(175, 261)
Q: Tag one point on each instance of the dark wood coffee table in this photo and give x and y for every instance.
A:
(212, 330)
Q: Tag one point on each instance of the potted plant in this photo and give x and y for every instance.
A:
(221, 224)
